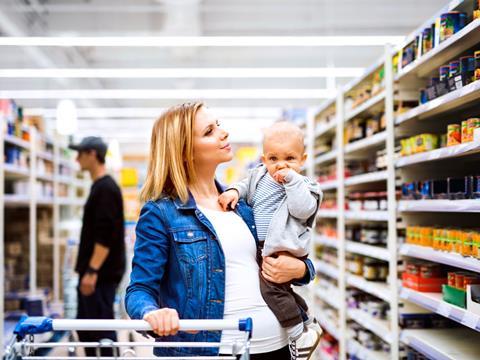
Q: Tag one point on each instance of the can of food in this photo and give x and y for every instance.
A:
(459, 277)
(476, 10)
(472, 124)
(444, 72)
(451, 276)
(429, 271)
(464, 134)
(426, 40)
(453, 135)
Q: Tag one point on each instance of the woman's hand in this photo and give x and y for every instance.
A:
(284, 268)
(164, 321)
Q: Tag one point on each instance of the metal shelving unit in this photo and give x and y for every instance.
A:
(32, 201)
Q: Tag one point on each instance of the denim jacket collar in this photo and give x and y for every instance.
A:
(191, 204)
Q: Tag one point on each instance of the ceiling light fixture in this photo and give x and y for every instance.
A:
(202, 41)
(170, 94)
(184, 73)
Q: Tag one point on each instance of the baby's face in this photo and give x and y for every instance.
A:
(283, 153)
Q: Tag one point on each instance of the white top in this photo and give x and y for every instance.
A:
(242, 288)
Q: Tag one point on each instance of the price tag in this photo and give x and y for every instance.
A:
(444, 309)
(470, 320)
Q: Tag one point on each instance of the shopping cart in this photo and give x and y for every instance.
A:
(23, 345)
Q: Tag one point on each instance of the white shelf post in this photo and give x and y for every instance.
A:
(341, 223)
(391, 199)
(33, 211)
(56, 221)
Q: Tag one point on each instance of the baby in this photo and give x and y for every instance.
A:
(284, 206)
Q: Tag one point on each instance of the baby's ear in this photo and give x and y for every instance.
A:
(304, 157)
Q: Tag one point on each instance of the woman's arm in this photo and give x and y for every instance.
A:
(148, 265)
(285, 268)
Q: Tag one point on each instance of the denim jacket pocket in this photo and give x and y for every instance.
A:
(191, 248)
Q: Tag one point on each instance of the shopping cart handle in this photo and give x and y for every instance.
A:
(29, 325)
(37, 325)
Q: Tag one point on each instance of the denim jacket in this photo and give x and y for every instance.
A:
(179, 263)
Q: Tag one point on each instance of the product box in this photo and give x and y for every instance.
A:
(454, 296)
(418, 283)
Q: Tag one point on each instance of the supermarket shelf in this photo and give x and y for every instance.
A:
(15, 172)
(327, 213)
(16, 199)
(439, 154)
(434, 303)
(368, 71)
(460, 206)
(71, 202)
(366, 143)
(444, 52)
(448, 102)
(325, 129)
(427, 253)
(331, 297)
(327, 269)
(328, 185)
(368, 250)
(366, 178)
(377, 289)
(46, 201)
(362, 353)
(377, 326)
(67, 180)
(327, 323)
(365, 215)
(45, 155)
(327, 241)
(14, 140)
(367, 105)
(329, 156)
(325, 105)
(45, 177)
(443, 344)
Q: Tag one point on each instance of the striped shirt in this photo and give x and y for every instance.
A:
(266, 200)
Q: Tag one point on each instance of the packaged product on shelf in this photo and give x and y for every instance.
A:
(409, 53)
(426, 40)
(450, 23)
(467, 69)
(453, 135)
(472, 124)
(372, 127)
(455, 80)
(476, 9)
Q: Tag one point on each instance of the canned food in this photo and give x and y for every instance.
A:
(472, 124)
(467, 69)
(453, 135)
(476, 55)
(451, 278)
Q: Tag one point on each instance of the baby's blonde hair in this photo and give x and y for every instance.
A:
(283, 129)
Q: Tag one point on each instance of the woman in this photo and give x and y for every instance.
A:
(192, 260)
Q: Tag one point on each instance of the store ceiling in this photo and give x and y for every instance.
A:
(196, 18)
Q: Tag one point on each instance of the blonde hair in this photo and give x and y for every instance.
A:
(170, 167)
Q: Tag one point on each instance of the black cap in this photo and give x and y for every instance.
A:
(91, 143)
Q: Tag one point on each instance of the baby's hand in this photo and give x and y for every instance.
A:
(280, 175)
(228, 200)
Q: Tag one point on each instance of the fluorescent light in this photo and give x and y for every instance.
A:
(184, 73)
(147, 113)
(170, 94)
(67, 121)
(202, 41)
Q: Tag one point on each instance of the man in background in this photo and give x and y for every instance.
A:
(101, 254)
